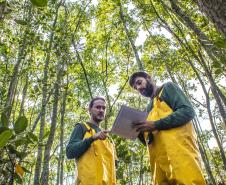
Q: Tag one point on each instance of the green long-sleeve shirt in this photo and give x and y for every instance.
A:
(183, 111)
(77, 146)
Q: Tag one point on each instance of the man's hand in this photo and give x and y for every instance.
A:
(144, 126)
(101, 135)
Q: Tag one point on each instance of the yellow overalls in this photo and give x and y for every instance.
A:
(173, 153)
(97, 165)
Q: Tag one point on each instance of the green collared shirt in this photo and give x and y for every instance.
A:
(183, 111)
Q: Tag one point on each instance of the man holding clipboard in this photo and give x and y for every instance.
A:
(168, 133)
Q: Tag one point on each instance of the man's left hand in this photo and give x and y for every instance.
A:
(144, 126)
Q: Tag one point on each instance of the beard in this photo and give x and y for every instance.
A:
(148, 91)
(98, 118)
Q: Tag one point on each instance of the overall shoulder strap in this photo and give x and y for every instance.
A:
(159, 92)
(89, 128)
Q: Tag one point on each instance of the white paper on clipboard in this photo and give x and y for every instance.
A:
(123, 122)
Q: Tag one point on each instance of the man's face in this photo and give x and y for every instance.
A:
(143, 86)
(97, 111)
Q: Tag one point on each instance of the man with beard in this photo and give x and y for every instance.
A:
(168, 133)
(89, 146)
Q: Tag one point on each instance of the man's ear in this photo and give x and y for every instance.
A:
(149, 78)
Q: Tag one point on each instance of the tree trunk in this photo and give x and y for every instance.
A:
(162, 56)
(13, 82)
(23, 96)
(210, 114)
(199, 60)
(122, 17)
(40, 114)
(209, 47)
(203, 152)
(16, 100)
(21, 55)
(215, 163)
(215, 91)
(60, 172)
(43, 109)
(45, 170)
(140, 182)
(216, 12)
(200, 145)
(84, 71)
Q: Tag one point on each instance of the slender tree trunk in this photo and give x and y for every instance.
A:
(13, 82)
(60, 172)
(23, 96)
(203, 152)
(215, 91)
(162, 56)
(16, 100)
(200, 144)
(43, 109)
(40, 114)
(45, 170)
(209, 47)
(84, 71)
(216, 12)
(200, 61)
(122, 17)
(210, 114)
(205, 147)
(189, 48)
(140, 182)
(108, 102)
(4, 85)
(21, 55)
(77, 53)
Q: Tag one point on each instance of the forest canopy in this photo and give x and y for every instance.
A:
(56, 55)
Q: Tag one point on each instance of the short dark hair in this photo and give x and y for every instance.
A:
(137, 74)
(93, 100)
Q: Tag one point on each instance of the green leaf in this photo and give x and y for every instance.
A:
(4, 137)
(46, 134)
(32, 136)
(21, 141)
(17, 178)
(27, 171)
(221, 42)
(20, 125)
(2, 129)
(21, 155)
(54, 1)
(29, 140)
(6, 109)
(21, 22)
(218, 71)
(39, 3)
(4, 120)
(12, 149)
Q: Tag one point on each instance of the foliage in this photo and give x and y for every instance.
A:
(85, 44)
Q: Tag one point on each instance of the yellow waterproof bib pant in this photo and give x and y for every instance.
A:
(173, 153)
(97, 165)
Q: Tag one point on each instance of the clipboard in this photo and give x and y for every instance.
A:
(123, 123)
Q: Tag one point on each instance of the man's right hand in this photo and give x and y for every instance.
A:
(100, 135)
